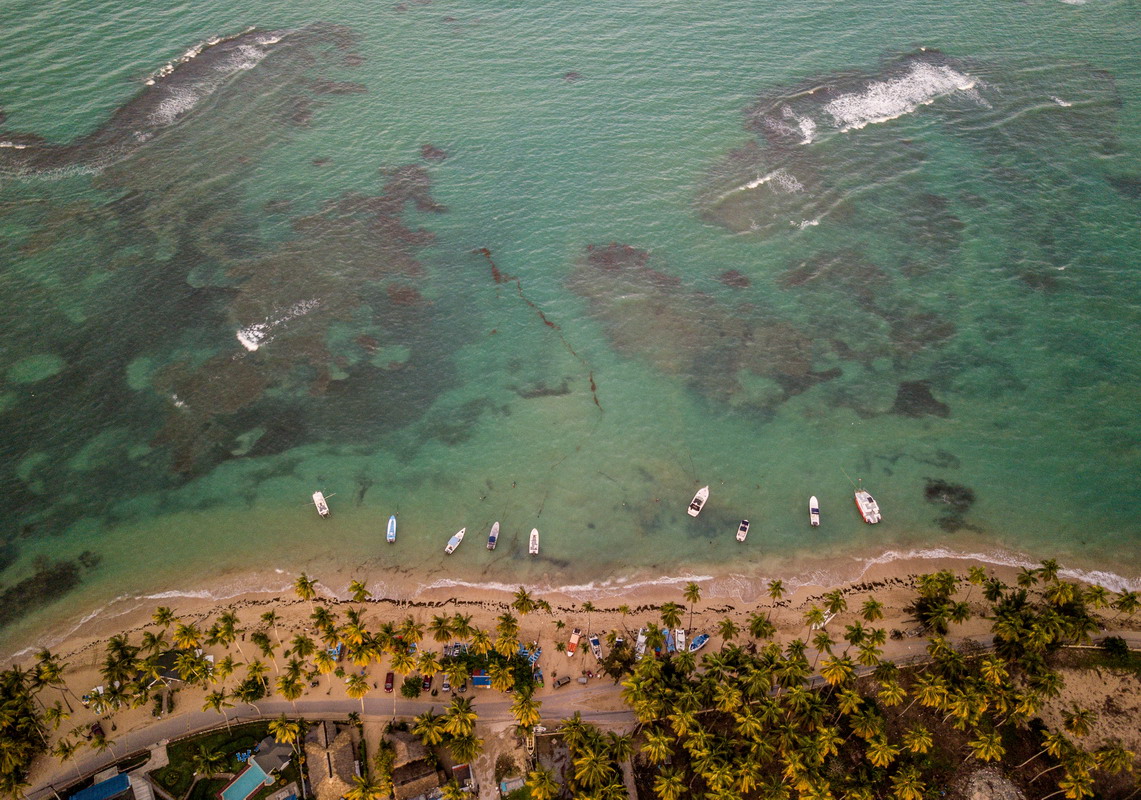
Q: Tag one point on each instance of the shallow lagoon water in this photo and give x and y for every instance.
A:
(561, 268)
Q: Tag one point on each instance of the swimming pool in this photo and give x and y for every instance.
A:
(248, 781)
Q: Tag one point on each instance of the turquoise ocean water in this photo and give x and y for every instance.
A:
(561, 265)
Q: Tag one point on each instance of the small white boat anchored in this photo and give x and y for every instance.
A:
(454, 542)
(698, 501)
(679, 639)
(322, 506)
(391, 535)
(814, 511)
(493, 537)
(533, 547)
(869, 508)
(742, 530)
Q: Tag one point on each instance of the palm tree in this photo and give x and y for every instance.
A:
(507, 626)
(502, 676)
(692, 595)
(163, 617)
(429, 727)
(187, 636)
(359, 591)
(465, 748)
(918, 739)
(306, 588)
(670, 784)
(269, 618)
(526, 711)
(325, 663)
(588, 608)
(987, 746)
(289, 686)
(218, 700)
(907, 784)
(523, 602)
(207, 761)
(365, 787)
(871, 610)
(728, 631)
(229, 632)
(460, 717)
(285, 730)
(461, 624)
(356, 687)
(412, 632)
(481, 643)
(834, 602)
(1127, 602)
(441, 628)
(1079, 721)
(542, 785)
(658, 746)
(303, 646)
(671, 614)
(451, 791)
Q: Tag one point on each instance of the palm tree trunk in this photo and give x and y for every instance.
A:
(1027, 761)
(1043, 772)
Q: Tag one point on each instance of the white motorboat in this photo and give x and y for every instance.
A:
(742, 530)
(533, 547)
(679, 639)
(595, 647)
(869, 508)
(391, 536)
(493, 537)
(572, 645)
(640, 646)
(698, 501)
(322, 506)
(454, 542)
(814, 511)
(699, 642)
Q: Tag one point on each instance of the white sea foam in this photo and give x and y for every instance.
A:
(254, 336)
(13, 145)
(781, 177)
(174, 105)
(885, 100)
(806, 223)
(1060, 101)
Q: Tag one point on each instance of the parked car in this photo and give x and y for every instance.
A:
(388, 680)
(463, 687)
(427, 683)
(563, 681)
(447, 684)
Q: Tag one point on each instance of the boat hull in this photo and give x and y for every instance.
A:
(813, 512)
(867, 506)
(391, 535)
(493, 537)
(742, 530)
(319, 502)
(454, 542)
(533, 546)
(698, 501)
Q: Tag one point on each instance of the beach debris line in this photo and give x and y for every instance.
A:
(698, 501)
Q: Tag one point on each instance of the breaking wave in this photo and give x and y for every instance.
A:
(881, 101)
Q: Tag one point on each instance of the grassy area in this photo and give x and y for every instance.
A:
(1120, 659)
(208, 788)
(177, 776)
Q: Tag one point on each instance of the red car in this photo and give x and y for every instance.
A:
(427, 682)
(388, 679)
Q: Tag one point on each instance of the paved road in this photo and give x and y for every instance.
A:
(492, 708)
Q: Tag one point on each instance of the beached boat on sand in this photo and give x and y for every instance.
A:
(742, 530)
(533, 547)
(391, 536)
(454, 542)
(814, 511)
(595, 647)
(640, 646)
(698, 501)
(572, 645)
(322, 506)
(699, 642)
(869, 508)
(493, 537)
(679, 639)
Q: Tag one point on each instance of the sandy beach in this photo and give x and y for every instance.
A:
(623, 610)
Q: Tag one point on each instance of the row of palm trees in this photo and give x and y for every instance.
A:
(754, 722)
